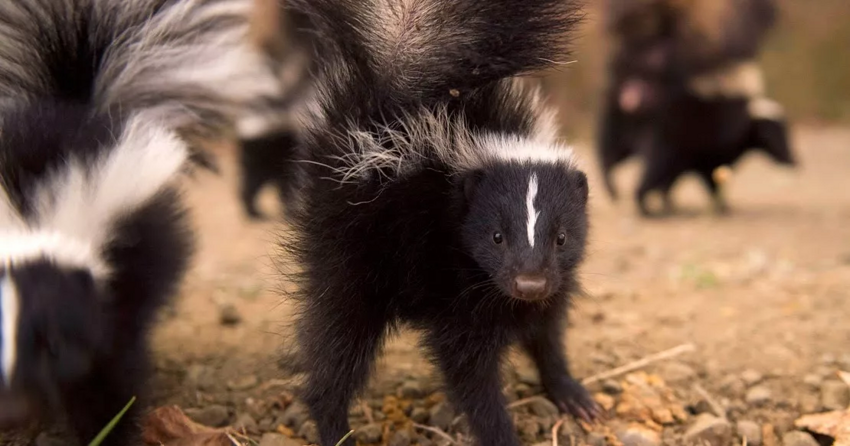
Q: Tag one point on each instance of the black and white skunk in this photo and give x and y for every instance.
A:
(685, 92)
(268, 135)
(439, 197)
(99, 102)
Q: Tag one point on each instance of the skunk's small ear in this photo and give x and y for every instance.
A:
(580, 184)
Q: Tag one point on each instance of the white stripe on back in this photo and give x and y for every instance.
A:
(529, 205)
(10, 306)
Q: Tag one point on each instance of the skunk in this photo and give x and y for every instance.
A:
(102, 104)
(685, 92)
(439, 197)
(268, 135)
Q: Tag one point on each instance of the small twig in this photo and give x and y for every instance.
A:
(232, 440)
(524, 401)
(342, 440)
(632, 366)
(555, 430)
(436, 431)
(715, 406)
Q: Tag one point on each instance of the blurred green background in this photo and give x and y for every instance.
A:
(806, 63)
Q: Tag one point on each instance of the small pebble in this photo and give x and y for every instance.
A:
(201, 377)
(411, 390)
(596, 439)
(213, 416)
(677, 372)
(309, 431)
(733, 386)
(612, 387)
(370, 433)
(242, 383)
(400, 438)
(419, 415)
(835, 395)
(751, 432)
(528, 428)
(813, 380)
(527, 376)
(441, 416)
(523, 391)
(294, 416)
(275, 439)
(759, 396)
(797, 438)
(246, 421)
(710, 430)
(637, 435)
(752, 377)
(229, 315)
(542, 407)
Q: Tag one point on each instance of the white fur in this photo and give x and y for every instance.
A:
(741, 80)
(10, 309)
(533, 214)
(764, 108)
(76, 207)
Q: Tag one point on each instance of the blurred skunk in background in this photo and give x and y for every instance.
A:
(101, 104)
(268, 135)
(686, 92)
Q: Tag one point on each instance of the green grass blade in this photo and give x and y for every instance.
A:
(342, 440)
(106, 430)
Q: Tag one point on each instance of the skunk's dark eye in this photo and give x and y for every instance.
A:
(497, 238)
(562, 238)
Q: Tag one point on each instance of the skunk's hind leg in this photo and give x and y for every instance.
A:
(543, 343)
(470, 363)
(338, 346)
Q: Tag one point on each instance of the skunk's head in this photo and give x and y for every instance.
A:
(769, 130)
(526, 223)
(51, 312)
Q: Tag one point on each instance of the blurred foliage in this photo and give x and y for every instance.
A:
(806, 63)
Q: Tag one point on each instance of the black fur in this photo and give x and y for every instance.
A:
(651, 109)
(413, 242)
(268, 159)
(80, 80)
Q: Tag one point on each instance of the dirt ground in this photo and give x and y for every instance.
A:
(760, 293)
(762, 290)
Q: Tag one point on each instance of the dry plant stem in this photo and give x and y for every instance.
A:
(715, 406)
(436, 431)
(555, 429)
(524, 401)
(643, 362)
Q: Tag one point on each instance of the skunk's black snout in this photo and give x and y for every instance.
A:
(530, 287)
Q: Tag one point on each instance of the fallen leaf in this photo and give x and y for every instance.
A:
(169, 426)
(835, 424)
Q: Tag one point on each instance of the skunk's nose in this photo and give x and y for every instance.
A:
(528, 287)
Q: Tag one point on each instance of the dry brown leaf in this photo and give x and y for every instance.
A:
(835, 424)
(169, 426)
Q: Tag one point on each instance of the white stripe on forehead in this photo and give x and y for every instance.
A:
(18, 247)
(9, 310)
(530, 210)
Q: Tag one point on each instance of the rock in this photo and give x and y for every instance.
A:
(229, 315)
(294, 416)
(370, 433)
(677, 372)
(400, 438)
(813, 380)
(201, 377)
(542, 407)
(637, 435)
(612, 387)
(835, 395)
(758, 396)
(441, 416)
(411, 390)
(751, 377)
(733, 386)
(709, 430)
(528, 428)
(246, 422)
(213, 416)
(419, 415)
(751, 432)
(275, 439)
(309, 431)
(596, 439)
(527, 376)
(797, 438)
(243, 383)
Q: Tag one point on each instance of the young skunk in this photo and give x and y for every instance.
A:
(99, 101)
(268, 135)
(439, 197)
(685, 92)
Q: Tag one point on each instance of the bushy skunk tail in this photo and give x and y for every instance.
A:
(187, 63)
(428, 51)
